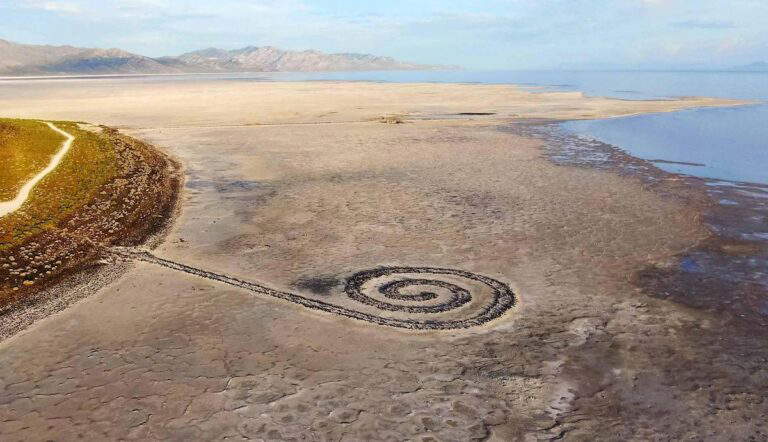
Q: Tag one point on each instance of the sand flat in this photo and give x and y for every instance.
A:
(295, 182)
(226, 103)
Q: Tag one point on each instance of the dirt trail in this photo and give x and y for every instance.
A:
(8, 207)
(165, 354)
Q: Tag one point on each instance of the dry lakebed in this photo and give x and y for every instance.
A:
(366, 261)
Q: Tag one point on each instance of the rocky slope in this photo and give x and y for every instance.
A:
(22, 59)
(271, 59)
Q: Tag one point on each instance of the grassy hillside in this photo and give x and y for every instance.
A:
(26, 148)
(108, 190)
(29, 145)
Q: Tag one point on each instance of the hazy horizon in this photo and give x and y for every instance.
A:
(486, 35)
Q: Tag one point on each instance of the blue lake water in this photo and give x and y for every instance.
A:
(726, 147)
(725, 143)
(731, 143)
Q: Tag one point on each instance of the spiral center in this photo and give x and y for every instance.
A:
(394, 290)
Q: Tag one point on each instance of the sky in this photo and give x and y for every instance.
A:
(476, 34)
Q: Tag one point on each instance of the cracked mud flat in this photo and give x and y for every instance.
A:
(583, 355)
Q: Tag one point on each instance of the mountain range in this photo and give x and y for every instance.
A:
(21, 59)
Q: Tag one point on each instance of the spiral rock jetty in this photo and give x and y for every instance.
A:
(415, 290)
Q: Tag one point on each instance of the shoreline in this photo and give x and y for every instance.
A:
(471, 115)
(722, 262)
(47, 301)
(303, 208)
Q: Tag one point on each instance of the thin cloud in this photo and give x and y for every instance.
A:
(704, 24)
(489, 34)
(65, 7)
(656, 2)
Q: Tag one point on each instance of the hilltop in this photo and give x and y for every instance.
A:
(23, 59)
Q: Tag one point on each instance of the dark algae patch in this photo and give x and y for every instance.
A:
(320, 285)
(729, 271)
(725, 273)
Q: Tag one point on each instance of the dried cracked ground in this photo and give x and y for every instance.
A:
(582, 355)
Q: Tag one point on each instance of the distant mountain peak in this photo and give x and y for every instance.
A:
(22, 59)
(272, 59)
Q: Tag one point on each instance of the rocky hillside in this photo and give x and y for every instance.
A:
(21, 59)
(271, 59)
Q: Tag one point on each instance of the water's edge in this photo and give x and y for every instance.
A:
(727, 272)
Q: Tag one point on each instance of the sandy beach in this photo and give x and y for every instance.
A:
(300, 186)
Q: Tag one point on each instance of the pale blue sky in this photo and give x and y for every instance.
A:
(482, 34)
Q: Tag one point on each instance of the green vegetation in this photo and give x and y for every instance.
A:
(108, 190)
(26, 148)
(88, 165)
